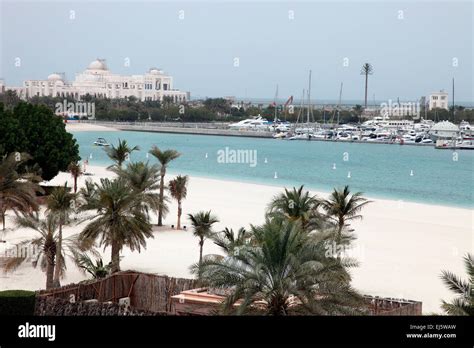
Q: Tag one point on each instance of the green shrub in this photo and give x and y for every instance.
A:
(17, 302)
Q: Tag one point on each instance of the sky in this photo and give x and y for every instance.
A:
(246, 49)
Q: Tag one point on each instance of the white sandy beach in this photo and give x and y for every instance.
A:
(87, 127)
(402, 247)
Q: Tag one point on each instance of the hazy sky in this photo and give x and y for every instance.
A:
(412, 45)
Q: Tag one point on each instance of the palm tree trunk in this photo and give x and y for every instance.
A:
(366, 83)
(178, 226)
(59, 259)
(75, 183)
(3, 220)
(115, 257)
(162, 193)
(340, 224)
(201, 244)
(50, 270)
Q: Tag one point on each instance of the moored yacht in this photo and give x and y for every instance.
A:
(257, 122)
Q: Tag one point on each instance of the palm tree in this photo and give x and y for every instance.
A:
(76, 171)
(143, 179)
(47, 242)
(342, 207)
(97, 270)
(366, 70)
(164, 157)
(295, 205)
(464, 303)
(178, 191)
(229, 241)
(202, 223)
(286, 271)
(120, 153)
(17, 190)
(119, 220)
(88, 196)
(60, 203)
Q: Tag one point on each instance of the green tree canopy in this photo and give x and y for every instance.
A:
(36, 130)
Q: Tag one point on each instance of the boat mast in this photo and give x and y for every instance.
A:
(309, 97)
(275, 105)
(339, 105)
(300, 111)
(453, 99)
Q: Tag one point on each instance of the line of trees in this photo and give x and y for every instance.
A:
(285, 266)
(213, 109)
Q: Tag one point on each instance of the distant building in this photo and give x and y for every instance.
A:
(438, 100)
(97, 80)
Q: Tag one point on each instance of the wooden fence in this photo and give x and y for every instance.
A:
(149, 292)
(392, 306)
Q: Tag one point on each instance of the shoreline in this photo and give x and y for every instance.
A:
(401, 248)
(75, 126)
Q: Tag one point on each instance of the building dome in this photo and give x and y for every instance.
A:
(155, 71)
(445, 126)
(97, 64)
(55, 77)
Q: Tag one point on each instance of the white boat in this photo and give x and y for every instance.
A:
(466, 145)
(251, 123)
(280, 135)
(101, 142)
(455, 145)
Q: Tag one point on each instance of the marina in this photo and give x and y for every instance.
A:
(381, 171)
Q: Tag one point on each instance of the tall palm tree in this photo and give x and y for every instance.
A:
(295, 205)
(202, 223)
(17, 189)
(366, 70)
(76, 171)
(120, 153)
(178, 189)
(60, 203)
(342, 207)
(286, 271)
(164, 157)
(119, 220)
(143, 179)
(464, 303)
(47, 243)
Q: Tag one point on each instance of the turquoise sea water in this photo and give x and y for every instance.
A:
(377, 170)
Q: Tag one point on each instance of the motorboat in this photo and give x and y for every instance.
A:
(101, 142)
(466, 145)
(251, 123)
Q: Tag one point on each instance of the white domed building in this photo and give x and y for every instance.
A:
(97, 80)
(444, 130)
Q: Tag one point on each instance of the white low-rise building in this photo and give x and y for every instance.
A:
(97, 80)
(438, 100)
